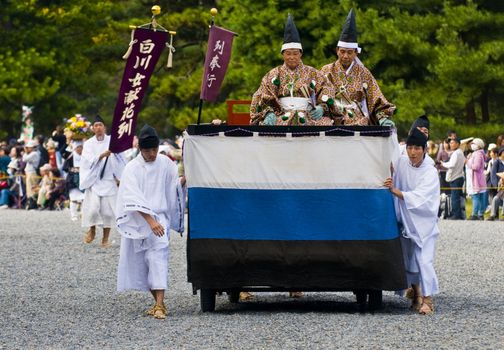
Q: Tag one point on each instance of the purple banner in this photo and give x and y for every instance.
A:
(146, 49)
(217, 59)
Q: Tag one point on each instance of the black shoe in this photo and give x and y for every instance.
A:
(472, 217)
(481, 217)
(453, 218)
(490, 218)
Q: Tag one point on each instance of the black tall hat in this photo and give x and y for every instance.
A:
(348, 37)
(98, 119)
(421, 122)
(415, 136)
(148, 137)
(291, 36)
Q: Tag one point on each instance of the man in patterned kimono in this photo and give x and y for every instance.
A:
(358, 99)
(292, 94)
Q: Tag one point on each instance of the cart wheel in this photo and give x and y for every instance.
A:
(234, 296)
(361, 297)
(375, 299)
(207, 300)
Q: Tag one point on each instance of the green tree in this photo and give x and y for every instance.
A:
(441, 57)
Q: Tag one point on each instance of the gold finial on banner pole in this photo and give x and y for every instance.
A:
(213, 12)
(156, 10)
(153, 25)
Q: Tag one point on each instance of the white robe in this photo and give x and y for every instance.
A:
(75, 194)
(100, 193)
(418, 214)
(152, 188)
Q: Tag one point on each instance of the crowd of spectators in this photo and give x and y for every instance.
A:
(34, 174)
(469, 168)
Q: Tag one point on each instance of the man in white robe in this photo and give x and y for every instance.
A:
(416, 189)
(100, 173)
(150, 202)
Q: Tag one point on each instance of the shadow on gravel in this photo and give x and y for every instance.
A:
(459, 304)
(307, 305)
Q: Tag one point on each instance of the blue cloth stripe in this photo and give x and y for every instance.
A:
(335, 214)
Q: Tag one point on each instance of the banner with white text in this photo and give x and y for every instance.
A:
(146, 49)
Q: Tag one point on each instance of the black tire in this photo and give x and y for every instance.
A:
(207, 300)
(375, 300)
(361, 297)
(234, 296)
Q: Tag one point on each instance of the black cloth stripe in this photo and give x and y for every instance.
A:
(334, 265)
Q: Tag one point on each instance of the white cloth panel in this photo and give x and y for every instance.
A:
(328, 162)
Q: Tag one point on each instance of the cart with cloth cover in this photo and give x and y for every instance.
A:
(291, 208)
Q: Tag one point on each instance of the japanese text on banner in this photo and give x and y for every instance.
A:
(220, 42)
(146, 50)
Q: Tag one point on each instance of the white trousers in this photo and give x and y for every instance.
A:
(142, 269)
(76, 198)
(419, 264)
(98, 211)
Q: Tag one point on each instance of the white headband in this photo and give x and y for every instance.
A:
(287, 46)
(349, 45)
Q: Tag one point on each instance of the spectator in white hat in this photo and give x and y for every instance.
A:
(31, 158)
(44, 185)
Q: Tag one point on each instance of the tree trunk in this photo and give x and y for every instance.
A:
(470, 113)
(485, 112)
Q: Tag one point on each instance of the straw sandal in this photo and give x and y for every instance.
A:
(410, 293)
(246, 296)
(427, 307)
(159, 312)
(150, 312)
(416, 299)
(89, 236)
(105, 244)
(296, 294)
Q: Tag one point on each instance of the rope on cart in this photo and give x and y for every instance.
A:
(307, 133)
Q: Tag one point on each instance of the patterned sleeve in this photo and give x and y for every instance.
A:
(265, 99)
(324, 92)
(376, 101)
(331, 110)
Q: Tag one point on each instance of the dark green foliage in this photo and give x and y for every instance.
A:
(444, 58)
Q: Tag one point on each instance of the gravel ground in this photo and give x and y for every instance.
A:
(56, 292)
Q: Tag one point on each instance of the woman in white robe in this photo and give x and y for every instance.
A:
(415, 187)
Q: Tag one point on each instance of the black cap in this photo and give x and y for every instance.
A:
(292, 39)
(98, 119)
(416, 138)
(148, 138)
(420, 122)
(349, 30)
